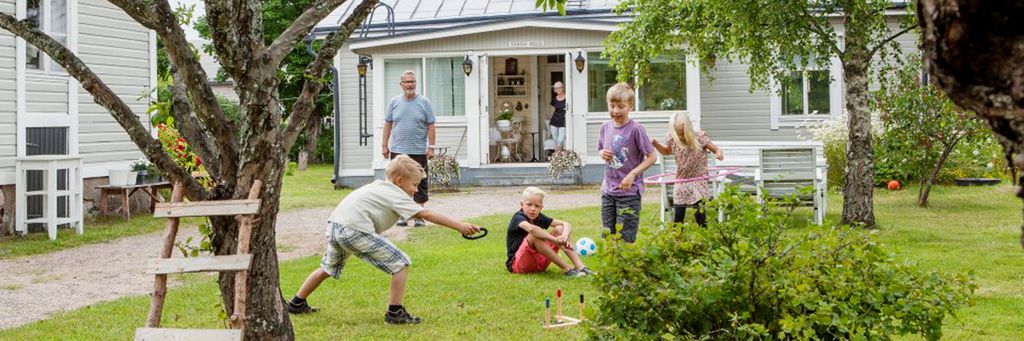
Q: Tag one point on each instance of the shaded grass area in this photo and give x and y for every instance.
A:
(462, 290)
(306, 189)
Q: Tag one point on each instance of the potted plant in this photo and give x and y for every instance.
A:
(564, 161)
(504, 119)
(141, 169)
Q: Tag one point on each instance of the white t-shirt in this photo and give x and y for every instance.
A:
(374, 208)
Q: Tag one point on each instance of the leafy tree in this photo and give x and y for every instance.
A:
(775, 37)
(975, 49)
(923, 126)
(234, 154)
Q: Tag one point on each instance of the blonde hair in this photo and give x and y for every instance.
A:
(531, 191)
(681, 121)
(620, 93)
(405, 167)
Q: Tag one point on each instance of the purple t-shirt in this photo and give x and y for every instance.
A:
(630, 145)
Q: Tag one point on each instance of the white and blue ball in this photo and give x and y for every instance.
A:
(586, 247)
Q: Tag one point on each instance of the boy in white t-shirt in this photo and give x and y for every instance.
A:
(354, 229)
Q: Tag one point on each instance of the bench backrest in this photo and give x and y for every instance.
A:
(785, 170)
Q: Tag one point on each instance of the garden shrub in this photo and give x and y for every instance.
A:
(751, 277)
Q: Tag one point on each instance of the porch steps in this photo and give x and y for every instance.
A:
(518, 176)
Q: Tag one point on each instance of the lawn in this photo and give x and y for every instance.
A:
(462, 291)
(304, 189)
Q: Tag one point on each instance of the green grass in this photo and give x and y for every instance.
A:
(463, 292)
(460, 287)
(305, 189)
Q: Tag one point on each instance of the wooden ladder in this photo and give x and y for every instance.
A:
(244, 211)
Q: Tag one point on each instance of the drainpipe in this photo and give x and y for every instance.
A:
(337, 110)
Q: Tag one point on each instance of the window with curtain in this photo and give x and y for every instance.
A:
(600, 77)
(666, 90)
(393, 69)
(446, 86)
(806, 93)
(50, 16)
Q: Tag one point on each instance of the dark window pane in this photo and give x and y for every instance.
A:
(817, 93)
(666, 90)
(792, 95)
(46, 141)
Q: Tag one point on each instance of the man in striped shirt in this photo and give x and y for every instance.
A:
(410, 117)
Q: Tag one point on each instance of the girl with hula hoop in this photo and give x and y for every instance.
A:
(690, 148)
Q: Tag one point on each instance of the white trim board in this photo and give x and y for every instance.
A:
(474, 29)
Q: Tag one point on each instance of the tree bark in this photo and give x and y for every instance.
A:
(860, 168)
(976, 50)
(922, 197)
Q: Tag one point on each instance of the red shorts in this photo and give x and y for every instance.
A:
(528, 259)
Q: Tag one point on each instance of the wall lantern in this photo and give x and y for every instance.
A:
(364, 61)
(580, 61)
(467, 66)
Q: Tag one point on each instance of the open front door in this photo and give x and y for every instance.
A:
(576, 106)
(478, 116)
(484, 81)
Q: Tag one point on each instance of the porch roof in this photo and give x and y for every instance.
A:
(489, 26)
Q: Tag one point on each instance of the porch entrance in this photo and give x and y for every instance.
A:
(520, 95)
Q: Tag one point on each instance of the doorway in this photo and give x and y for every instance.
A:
(552, 70)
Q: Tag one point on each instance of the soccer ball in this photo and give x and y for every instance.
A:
(586, 247)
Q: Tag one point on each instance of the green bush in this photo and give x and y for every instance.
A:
(750, 277)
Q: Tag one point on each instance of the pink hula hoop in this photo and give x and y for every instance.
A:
(723, 171)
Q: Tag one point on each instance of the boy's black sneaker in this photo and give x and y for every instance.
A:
(300, 308)
(401, 317)
(587, 271)
(574, 273)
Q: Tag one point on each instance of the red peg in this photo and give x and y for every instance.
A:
(559, 292)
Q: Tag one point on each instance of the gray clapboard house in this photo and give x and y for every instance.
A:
(47, 120)
(474, 58)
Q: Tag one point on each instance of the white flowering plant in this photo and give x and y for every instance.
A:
(141, 164)
(562, 162)
(444, 172)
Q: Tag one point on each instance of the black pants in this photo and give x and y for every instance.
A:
(680, 213)
(421, 190)
(614, 210)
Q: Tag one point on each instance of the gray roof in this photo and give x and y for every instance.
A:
(426, 11)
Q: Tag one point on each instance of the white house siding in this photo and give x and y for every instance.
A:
(729, 111)
(543, 38)
(354, 156)
(117, 49)
(8, 140)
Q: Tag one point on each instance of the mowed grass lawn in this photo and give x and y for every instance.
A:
(304, 189)
(463, 292)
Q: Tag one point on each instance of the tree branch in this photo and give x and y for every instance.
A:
(814, 27)
(104, 96)
(304, 105)
(222, 33)
(881, 44)
(300, 28)
(190, 127)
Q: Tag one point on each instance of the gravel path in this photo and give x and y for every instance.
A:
(33, 288)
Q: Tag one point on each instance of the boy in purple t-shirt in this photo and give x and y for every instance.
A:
(628, 152)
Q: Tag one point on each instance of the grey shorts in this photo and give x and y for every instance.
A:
(373, 248)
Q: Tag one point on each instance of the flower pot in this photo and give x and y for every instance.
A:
(140, 177)
(121, 177)
(503, 124)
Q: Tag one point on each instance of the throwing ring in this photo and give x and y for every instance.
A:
(477, 236)
(722, 171)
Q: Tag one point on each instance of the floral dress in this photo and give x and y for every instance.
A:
(690, 164)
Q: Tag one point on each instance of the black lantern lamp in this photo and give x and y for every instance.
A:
(467, 66)
(361, 67)
(580, 61)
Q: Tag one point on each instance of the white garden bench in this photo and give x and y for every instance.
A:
(780, 168)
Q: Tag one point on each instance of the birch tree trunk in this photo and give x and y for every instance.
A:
(860, 167)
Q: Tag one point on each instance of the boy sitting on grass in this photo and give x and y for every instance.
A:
(531, 248)
(354, 229)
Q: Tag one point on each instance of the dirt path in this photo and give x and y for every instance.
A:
(33, 288)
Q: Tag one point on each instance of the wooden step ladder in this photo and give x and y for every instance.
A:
(244, 211)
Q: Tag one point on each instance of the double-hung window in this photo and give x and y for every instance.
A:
(806, 93)
(438, 79)
(51, 17)
(664, 91)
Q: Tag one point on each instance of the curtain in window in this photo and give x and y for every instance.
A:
(393, 69)
(600, 77)
(446, 86)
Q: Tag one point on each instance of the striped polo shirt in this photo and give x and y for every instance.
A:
(409, 119)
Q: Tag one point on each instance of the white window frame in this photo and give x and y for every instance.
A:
(421, 79)
(46, 64)
(835, 98)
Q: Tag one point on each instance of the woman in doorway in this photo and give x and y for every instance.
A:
(557, 124)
